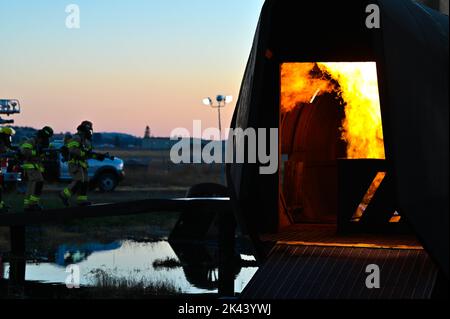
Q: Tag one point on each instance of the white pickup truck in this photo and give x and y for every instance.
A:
(104, 175)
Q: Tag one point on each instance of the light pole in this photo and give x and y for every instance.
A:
(222, 101)
(9, 107)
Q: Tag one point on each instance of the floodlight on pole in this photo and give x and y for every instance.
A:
(222, 101)
(8, 107)
(207, 101)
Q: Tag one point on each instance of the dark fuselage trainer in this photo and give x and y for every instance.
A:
(410, 51)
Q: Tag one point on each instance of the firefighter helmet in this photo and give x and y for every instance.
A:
(6, 134)
(87, 128)
(87, 125)
(7, 131)
(45, 132)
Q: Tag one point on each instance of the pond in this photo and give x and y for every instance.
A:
(188, 268)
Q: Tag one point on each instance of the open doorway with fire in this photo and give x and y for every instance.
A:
(331, 134)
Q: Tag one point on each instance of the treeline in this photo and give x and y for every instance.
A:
(99, 139)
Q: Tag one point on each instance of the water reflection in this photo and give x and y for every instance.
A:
(200, 264)
(196, 271)
(70, 254)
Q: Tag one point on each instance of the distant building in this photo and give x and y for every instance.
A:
(157, 143)
(165, 143)
(147, 134)
(106, 146)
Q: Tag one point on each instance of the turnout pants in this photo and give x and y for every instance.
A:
(35, 184)
(2, 203)
(80, 183)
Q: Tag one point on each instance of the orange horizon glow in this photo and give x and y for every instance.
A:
(118, 106)
(130, 64)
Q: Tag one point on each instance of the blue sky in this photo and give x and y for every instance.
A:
(131, 63)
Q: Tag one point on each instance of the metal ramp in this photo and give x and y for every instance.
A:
(296, 271)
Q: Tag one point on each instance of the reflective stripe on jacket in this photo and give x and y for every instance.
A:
(78, 150)
(31, 166)
(31, 158)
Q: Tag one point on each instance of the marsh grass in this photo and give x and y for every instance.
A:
(168, 263)
(107, 285)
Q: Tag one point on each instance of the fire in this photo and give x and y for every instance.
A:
(299, 85)
(356, 83)
(369, 196)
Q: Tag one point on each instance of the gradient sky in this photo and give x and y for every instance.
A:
(133, 62)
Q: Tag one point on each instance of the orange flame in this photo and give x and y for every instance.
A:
(298, 85)
(369, 196)
(357, 86)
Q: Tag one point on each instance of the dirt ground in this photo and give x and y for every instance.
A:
(50, 200)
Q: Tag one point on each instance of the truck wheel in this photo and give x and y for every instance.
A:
(107, 182)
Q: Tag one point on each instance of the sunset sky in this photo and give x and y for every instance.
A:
(132, 63)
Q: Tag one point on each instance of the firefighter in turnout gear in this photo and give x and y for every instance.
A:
(6, 134)
(79, 151)
(32, 152)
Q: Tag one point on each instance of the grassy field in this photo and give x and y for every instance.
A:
(137, 153)
(155, 169)
(161, 175)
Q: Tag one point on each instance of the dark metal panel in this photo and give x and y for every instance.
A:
(415, 109)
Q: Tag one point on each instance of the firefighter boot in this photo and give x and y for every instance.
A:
(65, 196)
(82, 201)
(32, 204)
(3, 208)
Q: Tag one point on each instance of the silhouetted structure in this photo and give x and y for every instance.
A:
(147, 132)
(411, 52)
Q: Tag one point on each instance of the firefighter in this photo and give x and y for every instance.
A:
(79, 151)
(6, 134)
(33, 151)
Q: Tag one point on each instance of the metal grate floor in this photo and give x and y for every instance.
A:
(315, 272)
